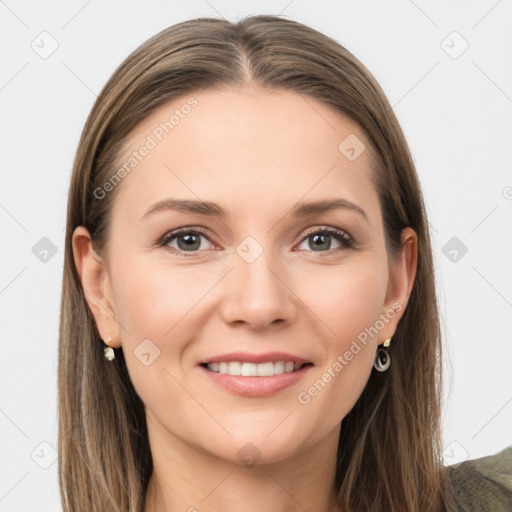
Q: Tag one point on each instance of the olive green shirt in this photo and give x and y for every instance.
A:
(484, 484)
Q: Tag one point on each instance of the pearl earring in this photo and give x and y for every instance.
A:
(109, 351)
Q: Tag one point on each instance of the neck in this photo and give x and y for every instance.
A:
(187, 479)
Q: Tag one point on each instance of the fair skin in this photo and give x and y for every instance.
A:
(257, 154)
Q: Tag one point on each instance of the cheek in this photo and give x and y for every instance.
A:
(349, 308)
(155, 305)
(154, 301)
(348, 299)
(158, 307)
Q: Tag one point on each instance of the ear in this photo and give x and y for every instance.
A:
(402, 272)
(96, 285)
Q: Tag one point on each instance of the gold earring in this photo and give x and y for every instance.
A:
(109, 351)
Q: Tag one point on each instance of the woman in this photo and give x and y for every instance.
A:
(247, 235)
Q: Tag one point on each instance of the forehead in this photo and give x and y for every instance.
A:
(243, 145)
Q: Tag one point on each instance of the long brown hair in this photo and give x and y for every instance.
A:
(389, 455)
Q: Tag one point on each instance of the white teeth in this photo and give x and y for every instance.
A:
(279, 367)
(266, 369)
(249, 369)
(234, 368)
(253, 369)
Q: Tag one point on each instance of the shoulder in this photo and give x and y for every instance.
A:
(484, 484)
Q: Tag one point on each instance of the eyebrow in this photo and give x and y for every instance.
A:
(213, 209)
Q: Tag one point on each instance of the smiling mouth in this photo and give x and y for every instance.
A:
(239, 368)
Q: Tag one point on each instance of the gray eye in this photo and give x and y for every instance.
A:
(189, 242)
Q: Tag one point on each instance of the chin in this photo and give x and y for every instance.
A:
(251, 448)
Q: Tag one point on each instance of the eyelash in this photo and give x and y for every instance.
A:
(347, 242)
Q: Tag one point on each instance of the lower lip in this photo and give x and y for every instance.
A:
(256, 386)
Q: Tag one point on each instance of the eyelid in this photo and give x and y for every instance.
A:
(329, 230)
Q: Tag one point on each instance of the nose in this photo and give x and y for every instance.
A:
(258, 295)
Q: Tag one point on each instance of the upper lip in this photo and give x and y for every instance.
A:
(247, 357)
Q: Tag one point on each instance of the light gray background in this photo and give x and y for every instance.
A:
(456, 114)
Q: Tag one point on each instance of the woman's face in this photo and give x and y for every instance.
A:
(257, 274)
